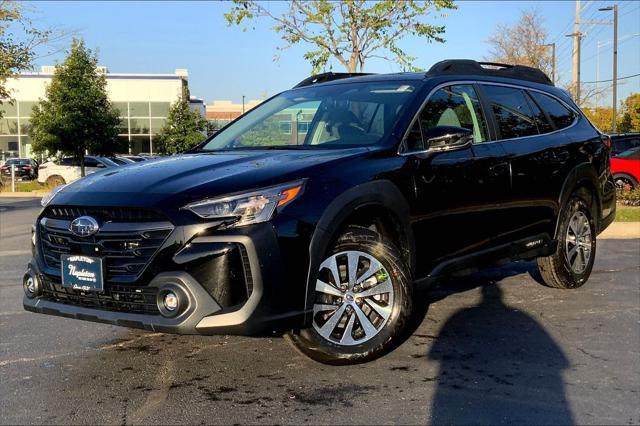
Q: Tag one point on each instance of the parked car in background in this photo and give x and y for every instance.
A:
(121, 161)
(148, 156)
(25, 168)
(66, 170)
(625, 168)
(624, 141)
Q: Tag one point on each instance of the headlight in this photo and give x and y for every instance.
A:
(49, 197)
(249, 207)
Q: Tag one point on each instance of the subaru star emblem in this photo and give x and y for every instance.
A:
(84, 226)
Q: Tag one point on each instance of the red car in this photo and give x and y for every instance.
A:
(625, 168)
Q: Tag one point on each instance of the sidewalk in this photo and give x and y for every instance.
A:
(621, 230)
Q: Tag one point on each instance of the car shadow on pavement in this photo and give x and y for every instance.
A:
(497, 365)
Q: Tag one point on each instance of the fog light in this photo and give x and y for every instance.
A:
(171, 301)
(30, 285)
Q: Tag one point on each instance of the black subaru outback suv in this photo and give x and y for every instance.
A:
(319, 211)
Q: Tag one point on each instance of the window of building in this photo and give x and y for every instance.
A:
(157, 124)
(122, 107)
(8, 126)
(8, 110)
(303, 126)
(285, 127)
(512, 112)
(139, 126)
(140, 144)
(26, 108)
(139, 109)
(160, 109)
(560, 115)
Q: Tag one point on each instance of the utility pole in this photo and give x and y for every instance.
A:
(614, 8)
(575, 72)
(243, 104)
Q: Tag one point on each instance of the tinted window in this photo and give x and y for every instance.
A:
(18, 162)
(543, 123)
(69, 161)
(631, 154)
(623, 144)
(560, 115)
(512, 112)
(456, 106)
(90, 162)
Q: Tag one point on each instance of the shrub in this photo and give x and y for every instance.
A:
(630, 197)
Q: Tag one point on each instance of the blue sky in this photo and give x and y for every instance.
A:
(227, 63)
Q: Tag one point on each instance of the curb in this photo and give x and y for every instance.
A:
(30, 194)
(621, 230)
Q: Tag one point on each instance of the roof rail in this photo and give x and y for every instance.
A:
(467, 66)
(327, 76)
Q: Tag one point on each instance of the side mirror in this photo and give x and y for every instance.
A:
(447, 138)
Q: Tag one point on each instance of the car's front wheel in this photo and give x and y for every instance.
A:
(362, 303)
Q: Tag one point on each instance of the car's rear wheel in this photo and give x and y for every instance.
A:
(624, 182)
(55, 180)
(362, 301)
(570, 266)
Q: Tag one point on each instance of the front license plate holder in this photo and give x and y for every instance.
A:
(81, 272)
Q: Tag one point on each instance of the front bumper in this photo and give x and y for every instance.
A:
(190, 269)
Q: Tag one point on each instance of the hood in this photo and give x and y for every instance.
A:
(195, 176)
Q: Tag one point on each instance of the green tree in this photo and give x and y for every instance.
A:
(630, 120)
(76, 115)
(184, 128)
(350, 31)
(18, 39)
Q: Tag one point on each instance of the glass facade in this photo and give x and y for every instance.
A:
(139, 122)
(14, 129)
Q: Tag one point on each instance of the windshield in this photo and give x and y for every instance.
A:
(332, 116)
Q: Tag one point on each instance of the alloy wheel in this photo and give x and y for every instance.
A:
(354, 298)
(578, 242)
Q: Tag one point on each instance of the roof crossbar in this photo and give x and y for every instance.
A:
(494, 69)
(327, 76)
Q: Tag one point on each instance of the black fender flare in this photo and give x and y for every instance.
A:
(580, 174)
(381, 193)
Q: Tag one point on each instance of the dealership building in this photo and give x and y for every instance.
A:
(142, 99)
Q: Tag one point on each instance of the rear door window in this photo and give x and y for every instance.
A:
(512, 111)
(560, 115)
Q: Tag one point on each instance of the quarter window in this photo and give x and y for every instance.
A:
(560, 115)
(512, 112)
(454, 106)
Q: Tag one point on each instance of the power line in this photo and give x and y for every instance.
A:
(605, 81)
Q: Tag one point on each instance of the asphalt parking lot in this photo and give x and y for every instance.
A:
(495, 347)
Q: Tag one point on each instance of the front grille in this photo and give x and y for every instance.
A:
(125, 247)
(139, 300)
(104, 214)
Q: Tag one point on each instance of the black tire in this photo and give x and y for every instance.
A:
(624, 181)
(309, 341)
(55, 180)
(556, 270)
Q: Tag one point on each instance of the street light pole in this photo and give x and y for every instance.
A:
(614, 8)
(243, 104)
